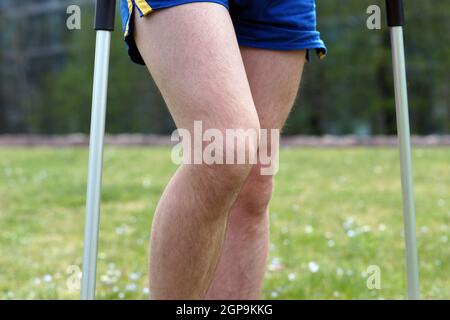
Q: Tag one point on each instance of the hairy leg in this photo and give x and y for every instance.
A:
(193, 56)
(274, 78)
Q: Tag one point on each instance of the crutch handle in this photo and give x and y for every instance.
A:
(105, 13)
(395, 13)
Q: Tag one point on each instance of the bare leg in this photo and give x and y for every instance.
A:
(192, 53)
(274, 80)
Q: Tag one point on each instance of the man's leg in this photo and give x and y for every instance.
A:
(192, 54)
(274, 78)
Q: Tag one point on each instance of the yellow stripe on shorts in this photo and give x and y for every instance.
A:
(130, 12)
(143, 6)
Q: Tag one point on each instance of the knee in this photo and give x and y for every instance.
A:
(239, 154)
(224, 180)
(226, 139)
(256, 194)
(216, 187)
(227, 179)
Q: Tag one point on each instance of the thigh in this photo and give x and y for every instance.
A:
(274, 78)
(192, 53)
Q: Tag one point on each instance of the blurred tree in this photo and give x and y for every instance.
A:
(134, 103)
(351, 91)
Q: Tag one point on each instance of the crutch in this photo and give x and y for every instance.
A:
(395, 17)
(104, 25)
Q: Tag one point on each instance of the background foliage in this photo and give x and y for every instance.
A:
(351, 91)
(329, 223)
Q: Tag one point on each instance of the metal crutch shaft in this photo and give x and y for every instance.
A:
(104, 25)
(395, 14)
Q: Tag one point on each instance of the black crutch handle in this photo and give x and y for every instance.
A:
(395, 13)
(105, 13)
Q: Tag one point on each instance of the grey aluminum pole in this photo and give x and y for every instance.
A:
(395, 22)
(104, 24)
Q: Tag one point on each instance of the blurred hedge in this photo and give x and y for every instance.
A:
(351, 91)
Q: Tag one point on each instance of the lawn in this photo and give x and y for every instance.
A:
(335, 212)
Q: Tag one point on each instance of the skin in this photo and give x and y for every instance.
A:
(213, 244)
(274, 78)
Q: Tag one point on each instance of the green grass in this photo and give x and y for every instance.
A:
(338, 210)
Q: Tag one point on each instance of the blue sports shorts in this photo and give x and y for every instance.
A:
(265, 24)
